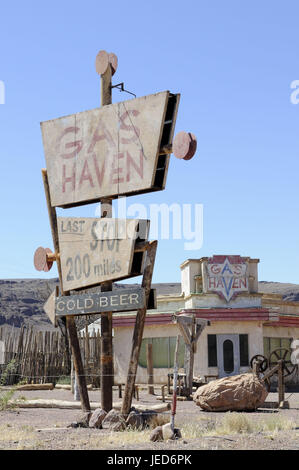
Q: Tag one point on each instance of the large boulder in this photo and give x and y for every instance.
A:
(235, 393)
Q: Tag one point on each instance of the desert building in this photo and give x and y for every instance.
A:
(243, 322)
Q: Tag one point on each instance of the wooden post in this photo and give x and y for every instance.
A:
(189, 372)
(175, 379)
(280, 384)
(191, 329)
(70, 322)
(150, 368)
(138, 329)
(107, 378)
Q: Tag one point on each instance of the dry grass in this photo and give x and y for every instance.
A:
(16, 437)
(237, 423)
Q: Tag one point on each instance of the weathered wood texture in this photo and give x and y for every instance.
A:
(96, 250)
(191, 329)
(138, 329)
(62, 404)
(37, 357)
(150, 368)
(109, 151)
(87, 304)
(70, 322)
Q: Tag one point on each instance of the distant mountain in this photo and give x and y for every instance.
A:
(22, 300)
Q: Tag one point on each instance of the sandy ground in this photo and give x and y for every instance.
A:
(46, 429)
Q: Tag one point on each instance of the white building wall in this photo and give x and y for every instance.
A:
(122, 343)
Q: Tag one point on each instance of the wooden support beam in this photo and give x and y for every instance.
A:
(185, 333)
(191, 329)
(70, 322)
(150, 368)
(107, 376)
(138, 329)
(280, 383)
(270, 373)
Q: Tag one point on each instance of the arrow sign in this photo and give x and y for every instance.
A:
(87, 304)
(122, 300)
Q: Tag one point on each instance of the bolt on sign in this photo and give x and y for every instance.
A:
(110, 151)
(94, 250)
(227, 276)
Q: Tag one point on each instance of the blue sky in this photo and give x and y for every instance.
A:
(233, 63)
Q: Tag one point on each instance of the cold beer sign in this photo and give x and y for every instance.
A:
(109, 151)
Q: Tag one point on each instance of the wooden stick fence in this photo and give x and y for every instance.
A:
(33, 356)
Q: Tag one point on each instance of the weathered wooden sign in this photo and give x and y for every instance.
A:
(94, 250)
(109, 151)
(121, 300)
(49, 308)
(87, 304)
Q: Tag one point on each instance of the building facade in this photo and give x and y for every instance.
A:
(243, 322)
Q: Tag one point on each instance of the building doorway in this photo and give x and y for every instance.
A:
(228, 355)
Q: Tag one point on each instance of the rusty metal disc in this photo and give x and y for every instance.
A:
(48, 264)
(113, 61)
(263, 362)
(102, 62)
(184, 145)
(40, 259)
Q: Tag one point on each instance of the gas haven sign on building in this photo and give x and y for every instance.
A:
(227, 276)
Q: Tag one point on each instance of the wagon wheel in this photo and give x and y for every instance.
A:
(281, 354)
(263, 362)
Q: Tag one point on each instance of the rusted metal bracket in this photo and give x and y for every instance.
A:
(120, 87)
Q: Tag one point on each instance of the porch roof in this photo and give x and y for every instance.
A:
(212, 314)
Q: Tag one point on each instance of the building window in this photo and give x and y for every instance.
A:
(163, 352)
(244, 356)
(228, 356)
(270, 344)
(212, 351)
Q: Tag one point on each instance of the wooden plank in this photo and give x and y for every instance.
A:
(70, 322)
(185, 333)
(150, 368)
(87, 304)
(108, 151)
(96, 250)
(49, 308)
(45, 386)
(72, 405)
(138, 329)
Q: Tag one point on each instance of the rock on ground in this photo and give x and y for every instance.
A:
(97, 418)
(235, 393)
(114, 421)
(135, 420)
(156, 434)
